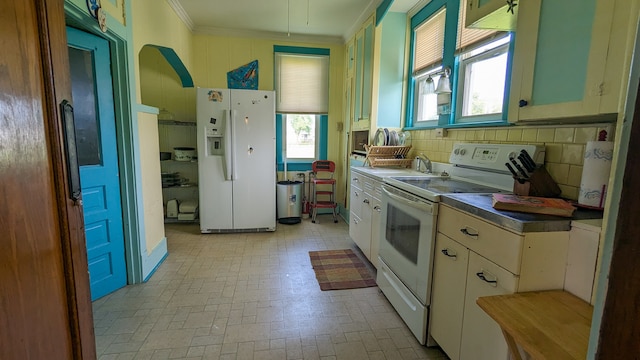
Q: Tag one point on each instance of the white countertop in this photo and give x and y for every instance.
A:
(379, 173)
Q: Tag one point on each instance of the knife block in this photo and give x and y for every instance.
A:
(539, 184)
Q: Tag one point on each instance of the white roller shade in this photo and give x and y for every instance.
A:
(302, 83)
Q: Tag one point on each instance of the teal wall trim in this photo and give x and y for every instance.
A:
(382, 9)
(151, 263)
(300, 50)
(178, 66)
(147, 109)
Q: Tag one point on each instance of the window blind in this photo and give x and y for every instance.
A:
(469, 38)
(302, 83)
(429, 42)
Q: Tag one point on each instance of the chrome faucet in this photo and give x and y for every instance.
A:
(422, 158)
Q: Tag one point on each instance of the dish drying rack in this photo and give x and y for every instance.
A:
(381, 156)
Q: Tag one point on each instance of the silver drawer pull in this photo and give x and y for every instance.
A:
(366, 201)
(355, 179)
(473, 232)
(356, 193)
(449, 253)
(488, 278)
(377, 208)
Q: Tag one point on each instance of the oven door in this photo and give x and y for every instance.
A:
(407, 234)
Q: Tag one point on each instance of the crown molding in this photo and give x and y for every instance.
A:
(182, 14)
(417, 7)
(273, 35)
(370, 9)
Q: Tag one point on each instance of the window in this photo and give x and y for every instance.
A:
(478, 60)
(302, 92)
(300, 132)
(428, 40)
(482, 69)
(482, 77)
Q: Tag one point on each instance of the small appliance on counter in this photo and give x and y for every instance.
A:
(172, 208)
(188, 210)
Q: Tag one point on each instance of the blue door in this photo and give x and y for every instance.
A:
(92, 91)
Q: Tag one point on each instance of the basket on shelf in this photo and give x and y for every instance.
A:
(381, 156)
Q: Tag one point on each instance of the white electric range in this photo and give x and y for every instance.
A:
(409, 217)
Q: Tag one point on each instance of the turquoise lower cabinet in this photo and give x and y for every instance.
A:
(564, 55)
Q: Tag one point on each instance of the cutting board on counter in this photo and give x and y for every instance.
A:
(533, 204)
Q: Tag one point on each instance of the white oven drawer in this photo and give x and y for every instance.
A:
(498, 245)
(412, 312)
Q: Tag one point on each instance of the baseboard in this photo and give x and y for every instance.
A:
(151, 263)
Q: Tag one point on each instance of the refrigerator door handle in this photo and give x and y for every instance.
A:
(233, 145)
(228, 147)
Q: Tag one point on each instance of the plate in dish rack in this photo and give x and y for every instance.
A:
(379, 139)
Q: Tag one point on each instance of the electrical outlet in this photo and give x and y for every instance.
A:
(441, 132)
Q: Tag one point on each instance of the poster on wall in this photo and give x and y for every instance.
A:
(244, 77)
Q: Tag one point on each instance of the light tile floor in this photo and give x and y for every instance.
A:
(250, 296)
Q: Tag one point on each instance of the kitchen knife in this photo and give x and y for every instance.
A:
(515, 163)
(515, 174)
(528, 158)
(525, 163)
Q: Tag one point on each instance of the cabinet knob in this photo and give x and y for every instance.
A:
(366, 201)
(523, 103)
(377, 208)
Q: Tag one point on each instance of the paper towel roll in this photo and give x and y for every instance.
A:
(595, 173)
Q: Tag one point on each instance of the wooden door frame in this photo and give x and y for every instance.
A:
(619, 330)
(79, 18)
(57, 87)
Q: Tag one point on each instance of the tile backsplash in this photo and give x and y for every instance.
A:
(564, 147)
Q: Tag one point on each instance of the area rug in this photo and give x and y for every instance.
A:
(340, 269)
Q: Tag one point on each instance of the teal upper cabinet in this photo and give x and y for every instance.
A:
(364, 70)
(492, 14)
(564, 53)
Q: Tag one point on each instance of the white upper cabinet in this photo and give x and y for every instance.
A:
(569, 58)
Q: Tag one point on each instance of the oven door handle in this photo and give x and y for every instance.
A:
(420, 205)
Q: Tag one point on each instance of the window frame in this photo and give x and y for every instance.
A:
(322, 129)
(451, 59)
(460, 88)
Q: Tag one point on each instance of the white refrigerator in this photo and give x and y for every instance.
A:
(236, 160)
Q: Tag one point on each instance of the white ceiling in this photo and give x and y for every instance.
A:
(322, 20)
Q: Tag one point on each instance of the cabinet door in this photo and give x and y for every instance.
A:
(482, 338)
(447, 300)
(559, 59)
(355, 228)
(363, 71)
(364, 242)
(491, 14)
(350, 56)
(376, 214)
(356, 196)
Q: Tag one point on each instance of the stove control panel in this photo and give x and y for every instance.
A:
(493, 156)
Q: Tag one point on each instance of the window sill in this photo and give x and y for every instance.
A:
(295, 166)
(462, 125)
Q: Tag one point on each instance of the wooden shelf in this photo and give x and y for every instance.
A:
(386, 156)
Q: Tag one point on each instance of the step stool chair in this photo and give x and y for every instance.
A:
(322, 198)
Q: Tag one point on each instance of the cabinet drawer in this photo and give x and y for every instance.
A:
(496, 244)
(357, 179)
